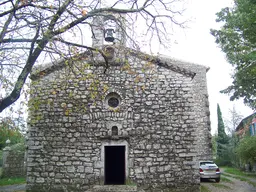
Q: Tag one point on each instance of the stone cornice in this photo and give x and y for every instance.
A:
(175, 65)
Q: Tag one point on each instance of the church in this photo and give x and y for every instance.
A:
(128, 121)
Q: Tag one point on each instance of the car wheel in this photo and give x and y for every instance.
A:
(217, 180)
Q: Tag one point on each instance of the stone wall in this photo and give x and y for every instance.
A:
(201, 109)
(13, 163)
(162, 121)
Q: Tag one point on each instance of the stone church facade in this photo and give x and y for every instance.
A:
(141, 123)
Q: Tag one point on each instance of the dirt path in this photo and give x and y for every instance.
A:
(234, 186)
(13, 188)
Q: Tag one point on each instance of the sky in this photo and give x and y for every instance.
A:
(197, 45)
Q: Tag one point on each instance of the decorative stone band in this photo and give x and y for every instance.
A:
(99, 115)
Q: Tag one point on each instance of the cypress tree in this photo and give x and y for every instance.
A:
(222, 139)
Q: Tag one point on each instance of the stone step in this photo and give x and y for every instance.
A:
(113, 188)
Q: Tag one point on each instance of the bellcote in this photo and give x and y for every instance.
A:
(108, 30)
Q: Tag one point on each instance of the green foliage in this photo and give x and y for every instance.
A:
(1, 160)
(247, 149)
(223, 161)
(238, 172)
(237, 39)
(225, 179)
(222, 139)
(231, 151)
(240, 175)
(7, 131)
(226, 145)
(19, 147)
(229, 156)
(12, 181)
(214, 145)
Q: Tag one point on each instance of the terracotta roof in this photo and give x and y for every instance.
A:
(245, 121)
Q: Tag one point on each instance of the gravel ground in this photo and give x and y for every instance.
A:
(13, 188)
(234, 186)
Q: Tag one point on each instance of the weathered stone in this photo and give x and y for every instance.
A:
(71, 169)
(160, 124)
(40, 180)
(13, 162)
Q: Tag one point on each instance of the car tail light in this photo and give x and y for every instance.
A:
(201, 170)
(217, 170)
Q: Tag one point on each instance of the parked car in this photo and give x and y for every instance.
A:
(209, 170)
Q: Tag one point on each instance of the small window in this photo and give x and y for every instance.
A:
(113, 100)
(252, 130)
(114, 130)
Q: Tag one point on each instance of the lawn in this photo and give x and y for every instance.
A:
(225, 179)
(237, 172)
(241, 175)
(12, 181)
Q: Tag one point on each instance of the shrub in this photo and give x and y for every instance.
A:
(247, 149)
(1, 158)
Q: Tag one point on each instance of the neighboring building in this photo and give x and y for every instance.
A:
(247, 126)
(13, 161)
(143, 122)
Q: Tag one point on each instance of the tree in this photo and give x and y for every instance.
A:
(214, 145)
(247, 149)
(9, 130)
(32, 31)
(227, 144)
(237, 39)
(222, 139)
(231, 124)
(233, 121)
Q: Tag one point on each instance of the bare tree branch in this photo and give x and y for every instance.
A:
(88, 48)
(33, 55)
(32, 32)
(15, 94)
(24, 6)
(7, 23)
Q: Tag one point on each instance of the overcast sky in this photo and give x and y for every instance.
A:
(197, 45)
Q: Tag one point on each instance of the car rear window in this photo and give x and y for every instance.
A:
(206, 162)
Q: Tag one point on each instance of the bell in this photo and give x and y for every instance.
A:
(109, 35)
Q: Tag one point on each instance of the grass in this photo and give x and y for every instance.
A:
(0, 172)
(12, 181)
(225, 179)
(20, 191)
(204, 189)
(236, 171)
(241, 178)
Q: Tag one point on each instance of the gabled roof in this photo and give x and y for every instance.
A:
(245, 121)
(175, 65)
